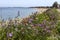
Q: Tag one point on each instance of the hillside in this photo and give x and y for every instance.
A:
(44, 26)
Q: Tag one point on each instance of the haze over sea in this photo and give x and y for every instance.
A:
(12, 12)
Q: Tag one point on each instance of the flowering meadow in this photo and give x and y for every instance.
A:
(39, 26)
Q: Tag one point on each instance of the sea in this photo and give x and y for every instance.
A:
(12, 12)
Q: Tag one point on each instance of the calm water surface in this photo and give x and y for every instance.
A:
(12, 12)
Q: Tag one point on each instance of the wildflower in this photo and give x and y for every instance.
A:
(22, 32)
(35, 24)
(49, 22)
(9, 34)
(32, 25)
(3, 25)
(45, 29)
(48, 31)
(22, 28)
(53, 26)
(41, 25)
(29, 27)
(30, 21)
(44, 22)
(52, 17)
(16, 29)
(26, 24)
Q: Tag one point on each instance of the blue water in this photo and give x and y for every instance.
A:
(12, 12)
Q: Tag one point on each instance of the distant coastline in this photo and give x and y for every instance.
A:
(41, 7)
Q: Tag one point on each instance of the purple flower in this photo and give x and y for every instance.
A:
(30, 22)
(50, 22)
(44, 22)
(52, 17)
(10, 35)
(41, 25)
(35, 24)
(47, 27)
(48, 31)
(30, 19)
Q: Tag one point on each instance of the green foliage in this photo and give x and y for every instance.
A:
(55, 5)
(37, 27)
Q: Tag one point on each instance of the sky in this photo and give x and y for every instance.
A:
(26, 3)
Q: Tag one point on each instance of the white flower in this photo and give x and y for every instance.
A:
(29, 27)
